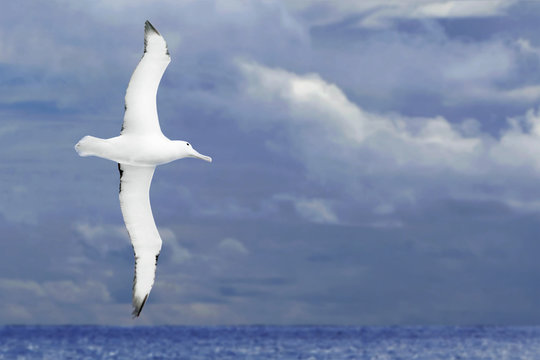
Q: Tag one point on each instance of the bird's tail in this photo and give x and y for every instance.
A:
(88, 146)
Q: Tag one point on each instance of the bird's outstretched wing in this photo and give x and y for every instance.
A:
(135, 203)
(141, 111)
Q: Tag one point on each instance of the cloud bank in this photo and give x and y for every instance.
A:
(376, 162)
(341, 144)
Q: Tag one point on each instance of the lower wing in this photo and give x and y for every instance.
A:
(135, 204)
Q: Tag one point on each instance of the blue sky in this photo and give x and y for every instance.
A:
(375, 162)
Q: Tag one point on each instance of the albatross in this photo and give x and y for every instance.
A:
(140, 147)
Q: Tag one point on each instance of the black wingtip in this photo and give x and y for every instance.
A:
(138, 308)
(149, 28)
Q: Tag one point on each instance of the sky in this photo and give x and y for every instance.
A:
(374, 162)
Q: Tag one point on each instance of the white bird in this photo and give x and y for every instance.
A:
(140, 147)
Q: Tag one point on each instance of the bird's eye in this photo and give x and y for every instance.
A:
(187, 144)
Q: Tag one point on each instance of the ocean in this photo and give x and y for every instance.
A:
(269, 342)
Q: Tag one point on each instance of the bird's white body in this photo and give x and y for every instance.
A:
(140, 147)
(137, 150)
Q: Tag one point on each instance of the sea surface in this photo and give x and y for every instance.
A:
(268, 342)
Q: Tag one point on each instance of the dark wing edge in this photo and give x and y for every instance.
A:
(121, 173)
(138, 303)
(149, 29)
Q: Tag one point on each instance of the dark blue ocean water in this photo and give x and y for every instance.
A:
(269, 342)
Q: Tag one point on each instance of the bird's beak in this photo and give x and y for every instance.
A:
(201, 156)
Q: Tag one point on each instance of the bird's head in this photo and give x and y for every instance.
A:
(185, 149)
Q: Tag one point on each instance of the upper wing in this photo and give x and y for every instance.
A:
(135, 203)
(141, 111)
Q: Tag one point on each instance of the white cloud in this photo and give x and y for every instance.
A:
(31, 302)
(479, 65)
(68, 291)
(316, 210)
(93, 232)
(382, 12)
(104, 238)
(311, 209)
(28, 287)
(526, 47)
(233, 245)
(519, 146)
(327, 127)
(62, 290)
(526, 94)
(178, 253)
(460, 8)
(339, 143)
(418, 9)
